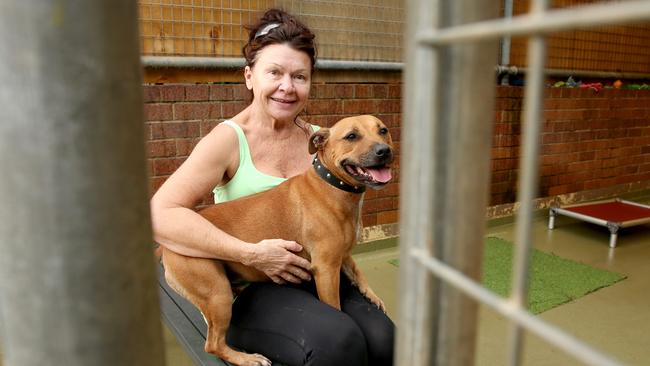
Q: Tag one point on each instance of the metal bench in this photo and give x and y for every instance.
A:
(186, 323)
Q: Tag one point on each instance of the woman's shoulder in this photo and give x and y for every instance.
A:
(218, 145)
(226, 130)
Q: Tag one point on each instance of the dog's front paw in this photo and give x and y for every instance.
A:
(373, 298)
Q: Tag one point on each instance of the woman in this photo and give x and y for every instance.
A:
(260, 147)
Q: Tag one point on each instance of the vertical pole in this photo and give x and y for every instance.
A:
(448, 104)
(417, 285)
(77, 278)
(464, 131)
(528, 180)
(506, 40)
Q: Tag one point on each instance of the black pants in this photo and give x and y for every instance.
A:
(288, 324)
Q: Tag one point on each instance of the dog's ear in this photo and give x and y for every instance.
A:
(318, 139)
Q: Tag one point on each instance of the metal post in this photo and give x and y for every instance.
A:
(445, 179)
(461, 179)
(417, 285)
(529, 176)
(77, 278)
(507, 40)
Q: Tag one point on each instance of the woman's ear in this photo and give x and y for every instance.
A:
(318, 140)
(248, 77)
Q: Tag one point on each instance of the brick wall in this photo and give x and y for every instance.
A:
(590, 140)
(178, 115)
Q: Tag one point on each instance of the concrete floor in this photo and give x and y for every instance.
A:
(615, 319)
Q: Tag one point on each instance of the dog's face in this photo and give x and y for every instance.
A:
(359, 150)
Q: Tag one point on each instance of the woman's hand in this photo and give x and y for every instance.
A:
(277, 259)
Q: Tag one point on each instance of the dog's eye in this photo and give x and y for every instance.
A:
(383, 131)
(351, 136)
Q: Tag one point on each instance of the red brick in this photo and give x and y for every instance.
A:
(343, 91)
(359, 107)
(230, 109)
(380, 91)
(200, 92)
(161, 148)
(191, 111)
(166, 166)
(241, 93)
(169, 130)
(587, 155)
(155, 183)
(184, 146)
(158, 112)
(387, 217)
(369, 220)
(394, 90)
(221, 92)
(172, 93)
(151, 93)
(325, 106)
(207, 126)
(388, 106)
(363, 91)
(378, 204)
(558, 190)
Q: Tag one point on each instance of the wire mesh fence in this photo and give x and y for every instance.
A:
(620, 48)
(369, 30)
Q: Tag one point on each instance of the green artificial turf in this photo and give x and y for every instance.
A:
(553, 280)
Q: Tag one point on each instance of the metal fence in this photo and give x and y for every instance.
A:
(443, 198)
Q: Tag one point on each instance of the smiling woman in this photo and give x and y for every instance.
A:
(282, 78)
(255, 150)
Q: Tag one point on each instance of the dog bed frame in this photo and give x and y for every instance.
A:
(614, 214)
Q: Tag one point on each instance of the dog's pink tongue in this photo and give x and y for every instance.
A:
(382, 175)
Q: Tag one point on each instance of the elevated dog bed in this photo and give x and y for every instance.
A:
(614, 214)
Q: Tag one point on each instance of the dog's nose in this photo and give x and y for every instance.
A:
(382, 150)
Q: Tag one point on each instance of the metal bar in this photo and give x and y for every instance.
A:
(77, 273)
(582, 217)
(235, 63)
(462, 167)
(507, 40)
(552, 334)
(613, 236)
(634, 222)
(413, 345)
(551, 21)
(634, 203)
(528, 179)
(514, 70)
(590, 203)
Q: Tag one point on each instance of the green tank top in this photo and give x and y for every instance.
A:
(247, 180)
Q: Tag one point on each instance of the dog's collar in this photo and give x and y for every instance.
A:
(333, 180)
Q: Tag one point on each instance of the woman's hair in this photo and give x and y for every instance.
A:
(279, 27)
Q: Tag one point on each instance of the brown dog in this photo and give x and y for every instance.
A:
(319, 209)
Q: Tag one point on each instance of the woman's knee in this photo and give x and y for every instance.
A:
(380, 338)
(340, 343)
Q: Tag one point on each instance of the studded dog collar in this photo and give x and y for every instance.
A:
(333, 180)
